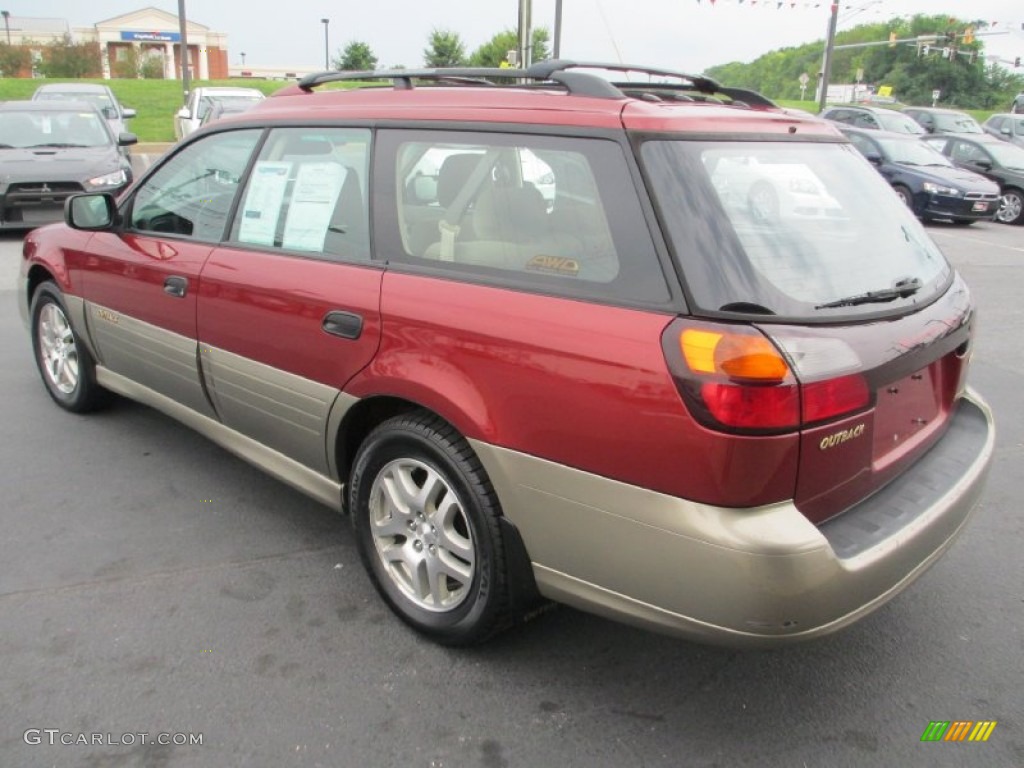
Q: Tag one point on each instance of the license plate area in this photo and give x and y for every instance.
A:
(980, 206)
(906, 408)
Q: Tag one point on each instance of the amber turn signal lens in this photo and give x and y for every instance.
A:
(739, 356)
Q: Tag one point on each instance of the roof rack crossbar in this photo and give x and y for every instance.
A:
(552, 71)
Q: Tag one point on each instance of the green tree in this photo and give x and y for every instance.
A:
(444, 49)
(904, 66)
(66, 58)
(495, 50)
(128, 64)
(152, 67)
(357, 56)
(14, 59)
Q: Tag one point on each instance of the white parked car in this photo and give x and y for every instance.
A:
(189, 117)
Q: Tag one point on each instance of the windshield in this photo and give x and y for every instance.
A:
(1007, 155)
(781, 228)
(898, 123)
(957, 123)
(56, 129)
(910, 152)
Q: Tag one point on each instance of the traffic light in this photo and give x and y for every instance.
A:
(1016, 62)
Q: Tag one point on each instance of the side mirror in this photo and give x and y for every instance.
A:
(127, 113)
(184, 113)
(1005, 130)
(983, 163)
(90, 212)
(874, 159)
(126, 139)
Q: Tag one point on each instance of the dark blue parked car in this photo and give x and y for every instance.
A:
(925, 179)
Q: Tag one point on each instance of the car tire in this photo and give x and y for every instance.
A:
(1011, 209)
(64, 362)
(426, 520)
(904, 194)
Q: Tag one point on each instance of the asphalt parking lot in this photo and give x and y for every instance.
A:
(152, 583)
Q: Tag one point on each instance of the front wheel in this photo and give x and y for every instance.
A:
(67, 368)
(1011, 209)
(426, 520)
(904, 194)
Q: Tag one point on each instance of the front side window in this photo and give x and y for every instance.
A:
(560, 214)
(790, 230)
(192, 193)
(307, 193)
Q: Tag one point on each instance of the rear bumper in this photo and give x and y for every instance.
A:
(761, 576)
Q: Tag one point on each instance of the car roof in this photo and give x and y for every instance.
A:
(936, 110)
(980, 138)
(549, 93)
(862, 107)
(56, 105)
(74, 87)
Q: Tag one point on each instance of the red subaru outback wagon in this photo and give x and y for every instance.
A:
(648, 346)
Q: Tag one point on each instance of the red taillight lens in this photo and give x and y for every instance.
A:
(753, 407)
(834, 397)
(734, 378)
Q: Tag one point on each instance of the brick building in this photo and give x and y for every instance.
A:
(148, 35)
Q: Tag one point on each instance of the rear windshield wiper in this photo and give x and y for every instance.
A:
(901, 289)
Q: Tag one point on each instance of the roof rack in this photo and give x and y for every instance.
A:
(561, 72)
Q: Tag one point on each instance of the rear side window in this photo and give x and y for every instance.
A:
(307, 194)
(785, 229)
(558, 214)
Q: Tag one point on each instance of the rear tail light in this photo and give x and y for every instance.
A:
(734, 378)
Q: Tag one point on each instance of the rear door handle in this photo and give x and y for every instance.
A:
(176, 286)
(347, 325)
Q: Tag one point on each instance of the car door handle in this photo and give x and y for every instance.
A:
(176, 286)
(347, 325)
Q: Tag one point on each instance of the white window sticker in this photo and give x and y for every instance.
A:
(316, 191)
(262, 207)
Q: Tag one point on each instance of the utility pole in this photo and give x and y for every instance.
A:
(557, 50)
(826, 64)
(186, 76)
(525, 33)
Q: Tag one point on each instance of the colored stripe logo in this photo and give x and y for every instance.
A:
(958, 730)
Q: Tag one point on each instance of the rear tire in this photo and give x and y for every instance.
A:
(426, 520)
(67, 368)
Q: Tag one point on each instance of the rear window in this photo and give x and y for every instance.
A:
(781, 229)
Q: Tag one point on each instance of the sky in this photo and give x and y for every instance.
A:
(686, 35)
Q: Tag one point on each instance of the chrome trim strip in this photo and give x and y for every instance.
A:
(285, 469)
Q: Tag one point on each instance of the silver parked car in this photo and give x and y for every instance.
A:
(1006, 127)
(100, 96)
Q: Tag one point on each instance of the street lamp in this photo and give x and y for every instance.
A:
(7, 24)
(327, 54)
(242, 54)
